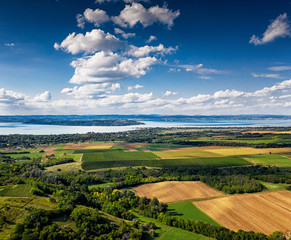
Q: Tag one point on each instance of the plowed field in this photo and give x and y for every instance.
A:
(176, 191)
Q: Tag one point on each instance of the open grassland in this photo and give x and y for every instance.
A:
(21, 190)
(68, 167)
(186, 210)
(261, 212)
(175, 191)
(95, 163)
(271, 159)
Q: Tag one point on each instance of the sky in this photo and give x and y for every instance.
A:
(202, 57)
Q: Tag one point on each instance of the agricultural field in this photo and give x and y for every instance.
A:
(260, 212)
(20, 190)
(178, 234)
(239, 151)
(271, 159)
(170, 233)
(187, 153)
(88, 145)
(117, 155)
(102, 185)
(93, 162)
(275, 186)
(68, 167)
(160, 146)
(188, 211)
(174, 191)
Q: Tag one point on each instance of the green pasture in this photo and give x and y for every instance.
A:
(26, 156)
(119, 155)
(102, 185)
(161, 146)
(93, 163)
(179, 234)
(188, 211)
(275, 186)
(272, 159)
(169, 233)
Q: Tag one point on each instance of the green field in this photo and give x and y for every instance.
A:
(170, 233)
(102, 185)
(91, 163)
(179, 234)
(109, 155)
(275, 186)
(21, 190)
(272, 159)
(161, 146)
(26, 156)
(186, 210)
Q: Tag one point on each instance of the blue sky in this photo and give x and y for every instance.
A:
(145, 56)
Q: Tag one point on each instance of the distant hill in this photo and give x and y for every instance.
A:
(106, 122)
(91, 120)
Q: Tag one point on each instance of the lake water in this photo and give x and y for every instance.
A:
(19, 128)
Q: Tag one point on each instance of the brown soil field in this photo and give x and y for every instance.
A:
(49, 150)
(259, 212)
(174, 191)
(88, 145)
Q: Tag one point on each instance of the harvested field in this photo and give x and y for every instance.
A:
(88, 145)
(261, 212)
(174, 154)
(175, 191)
(237, 151)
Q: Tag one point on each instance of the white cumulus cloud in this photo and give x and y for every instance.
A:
(93, 41)
(96, 17)
(43, 97)
(137, 13)
(109, 66)
(91, 91)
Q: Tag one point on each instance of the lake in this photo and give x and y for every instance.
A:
(19, 128)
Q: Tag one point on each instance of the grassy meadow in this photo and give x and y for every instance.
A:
(186, 210)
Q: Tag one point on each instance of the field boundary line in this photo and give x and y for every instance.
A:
(165, 232)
